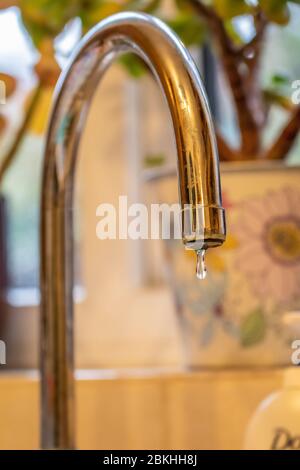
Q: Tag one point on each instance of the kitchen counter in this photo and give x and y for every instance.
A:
(142, 409)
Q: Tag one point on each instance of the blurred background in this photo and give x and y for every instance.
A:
(137, 305)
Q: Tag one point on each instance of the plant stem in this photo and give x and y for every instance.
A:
(232, 59)
(286, 139)
(226, 153)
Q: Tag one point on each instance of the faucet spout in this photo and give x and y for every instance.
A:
(203, 223)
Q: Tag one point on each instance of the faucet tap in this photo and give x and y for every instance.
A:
(203, 222)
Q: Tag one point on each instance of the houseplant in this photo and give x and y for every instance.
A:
(240, 63)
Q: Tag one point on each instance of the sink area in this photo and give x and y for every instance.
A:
(142, 409)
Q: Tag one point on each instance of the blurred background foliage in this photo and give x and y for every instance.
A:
(194, 21)
(44, 20)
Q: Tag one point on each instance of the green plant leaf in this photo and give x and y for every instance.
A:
(228, 9)
(189, 28)
(183, 5)
(47, 18)
(93, 11)
(276, 11)
(280, 79)
(133, 64)
(253, 328)
(280, 83)
(147, 6)
(154, 160)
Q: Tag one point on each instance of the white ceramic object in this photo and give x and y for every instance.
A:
(275, 424)
(232, 318)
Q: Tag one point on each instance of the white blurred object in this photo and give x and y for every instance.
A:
(275, 424)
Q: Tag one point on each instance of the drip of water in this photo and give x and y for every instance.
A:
(201, 266)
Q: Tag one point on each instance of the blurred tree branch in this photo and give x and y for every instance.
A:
(241, 65)
(286, 138)
(9, 157)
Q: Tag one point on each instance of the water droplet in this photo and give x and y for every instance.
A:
(201, 266)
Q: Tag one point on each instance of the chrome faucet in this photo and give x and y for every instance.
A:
(203, 223)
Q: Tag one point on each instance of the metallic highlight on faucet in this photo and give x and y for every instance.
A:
(198, 173)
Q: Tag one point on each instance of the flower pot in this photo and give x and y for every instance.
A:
(233, 317)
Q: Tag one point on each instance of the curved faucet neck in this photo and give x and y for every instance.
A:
(198, 173)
